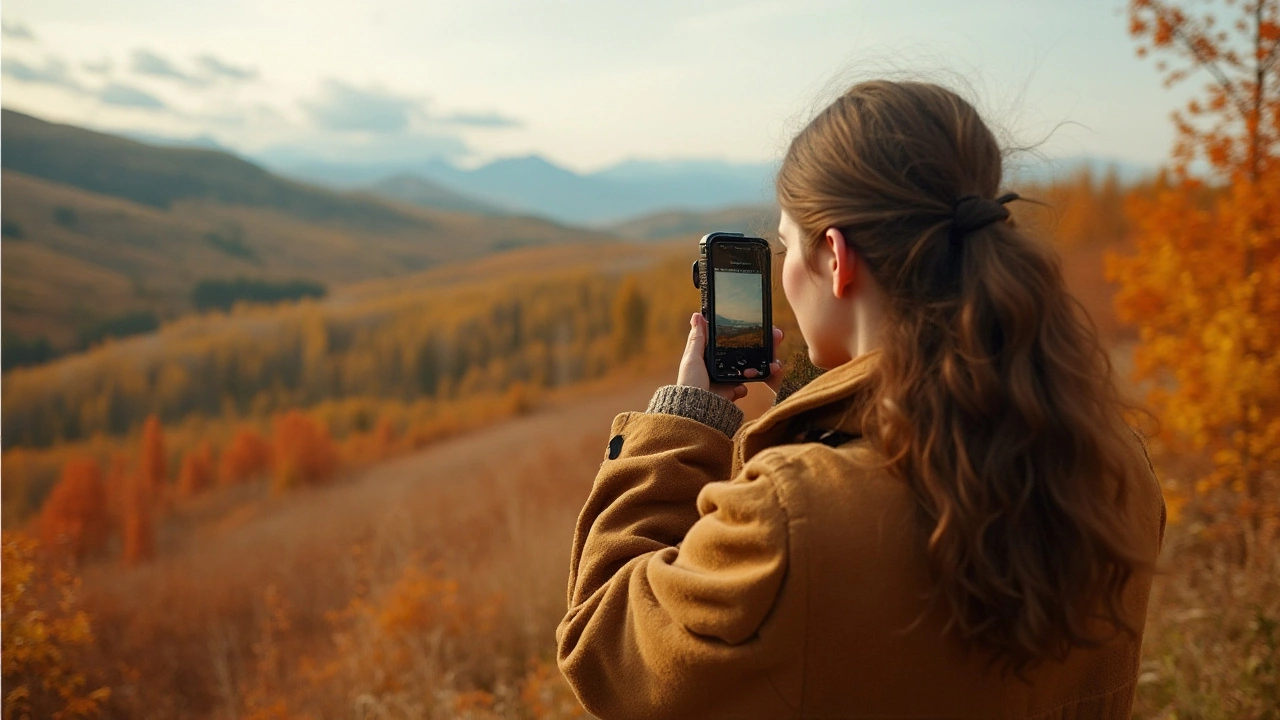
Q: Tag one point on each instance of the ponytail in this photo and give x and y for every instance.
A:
(994, 400)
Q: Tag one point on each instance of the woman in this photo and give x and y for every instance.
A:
(953, 521)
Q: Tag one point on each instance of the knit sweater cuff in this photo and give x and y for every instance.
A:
(697, 404)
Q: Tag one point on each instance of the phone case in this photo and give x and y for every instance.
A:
(700, 280)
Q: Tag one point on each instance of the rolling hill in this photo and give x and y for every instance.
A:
(160, 176)
(97, 228)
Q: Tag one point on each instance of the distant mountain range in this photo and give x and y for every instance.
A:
(640, 199)
(724, 322)
(611, 197)
(533, 185)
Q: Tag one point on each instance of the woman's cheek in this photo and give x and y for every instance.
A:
(792, 287)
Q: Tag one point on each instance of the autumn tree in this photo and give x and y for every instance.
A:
(248, 456)
(196, 473)
(74, 518)
(303, 452)
(1203, 287)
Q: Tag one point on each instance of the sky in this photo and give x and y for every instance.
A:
(583, 84)
(738, 296)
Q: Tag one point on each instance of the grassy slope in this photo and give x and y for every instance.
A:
(94, 244)
(496, 507)
(161, 176)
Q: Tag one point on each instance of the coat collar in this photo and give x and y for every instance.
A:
(833, 400)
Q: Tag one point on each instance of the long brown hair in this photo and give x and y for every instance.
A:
(994, 399)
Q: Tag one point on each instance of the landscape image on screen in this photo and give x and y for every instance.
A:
(739, 310)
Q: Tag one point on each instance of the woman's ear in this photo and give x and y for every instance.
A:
(843, 264)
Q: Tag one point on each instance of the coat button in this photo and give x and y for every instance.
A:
(615, 447)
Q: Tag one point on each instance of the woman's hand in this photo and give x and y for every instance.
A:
(693, 371)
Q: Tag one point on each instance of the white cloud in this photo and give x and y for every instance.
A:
(54, 72)
(130, 97)
(16, 31)
(213, 67)
(342, 107)
(145, 62)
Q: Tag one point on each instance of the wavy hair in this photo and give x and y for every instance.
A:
(994, 400)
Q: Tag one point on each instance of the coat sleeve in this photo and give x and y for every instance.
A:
(674, 568)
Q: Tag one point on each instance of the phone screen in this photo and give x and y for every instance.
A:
(739, 301)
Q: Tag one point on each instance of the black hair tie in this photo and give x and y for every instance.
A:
(972, 212)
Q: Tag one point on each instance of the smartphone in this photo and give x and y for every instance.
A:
(734, 274)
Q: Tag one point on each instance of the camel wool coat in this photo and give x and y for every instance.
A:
(766, 576)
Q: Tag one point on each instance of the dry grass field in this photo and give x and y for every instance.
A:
(424, 584)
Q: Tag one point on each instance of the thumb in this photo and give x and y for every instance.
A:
(697, 332)
(693, 370)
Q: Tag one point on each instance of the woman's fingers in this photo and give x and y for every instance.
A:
(693, 370)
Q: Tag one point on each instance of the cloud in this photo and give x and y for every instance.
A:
(131, 97)
(54, 72)
(16, 31)
(101, 67)
(481, 120)
(342, 107)
(213, 67)
(145, 62)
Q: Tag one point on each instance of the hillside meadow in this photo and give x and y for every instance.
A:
(361, 505)
(98, 230)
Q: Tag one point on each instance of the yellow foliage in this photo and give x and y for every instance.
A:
(44, 635)
(1203, 285)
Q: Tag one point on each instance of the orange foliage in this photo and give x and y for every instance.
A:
(1233, 125)
(303, 452)
(424, 600)
(1204, 285)
(74, 518)
(247, 457)
(196, 473)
